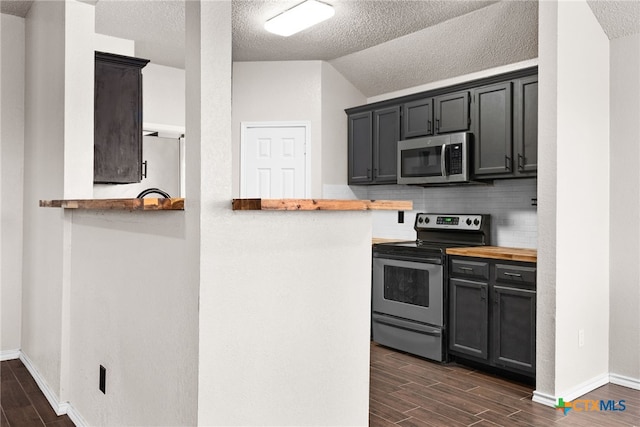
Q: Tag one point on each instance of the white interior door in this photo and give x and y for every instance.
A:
(274, 162)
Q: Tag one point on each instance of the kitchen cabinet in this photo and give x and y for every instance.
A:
(451, 115)
(117, 119)
(373, 139)
(492, 313)
(452, 112)
(505, 128)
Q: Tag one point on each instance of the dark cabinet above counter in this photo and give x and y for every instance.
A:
(117, 139)
(500, 111)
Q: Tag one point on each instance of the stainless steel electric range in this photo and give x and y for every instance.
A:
(409, 293)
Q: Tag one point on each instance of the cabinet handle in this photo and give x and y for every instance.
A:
(507, 163)
(368, 173)
(375, 172)
(483, 293)
(465, 268)
(437, 125)
(143, 172)
(428, 126)
(512, 274)
(520, 162)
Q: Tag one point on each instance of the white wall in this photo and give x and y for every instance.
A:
(337, 95)
(164, 95)
(11, 168)
(44, 252)
(283, 337)
(581, 193)
(279, 91)
(624, 344)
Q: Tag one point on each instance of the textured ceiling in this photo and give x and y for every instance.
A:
(380, 45)
(356, 25)
(500, 34)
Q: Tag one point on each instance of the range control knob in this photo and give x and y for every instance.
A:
(468, 221)
(476, 222)
(426, 220)
(420, 220)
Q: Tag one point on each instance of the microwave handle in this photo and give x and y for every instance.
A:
(443, 163)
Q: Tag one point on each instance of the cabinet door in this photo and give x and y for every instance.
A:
(526, 124)
(117, 119)
(468, 318)
(452, 112)
(360, 148)
(492, 130)
(514, 328)
(417, 118)
(386, 134)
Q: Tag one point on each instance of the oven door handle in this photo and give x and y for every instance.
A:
(429, 260)
(404, 324)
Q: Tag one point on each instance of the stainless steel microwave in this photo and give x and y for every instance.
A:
(442, 159)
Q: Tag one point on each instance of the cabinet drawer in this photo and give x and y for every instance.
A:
(516, 274)
(470, 269)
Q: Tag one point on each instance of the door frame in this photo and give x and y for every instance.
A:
(244, 126)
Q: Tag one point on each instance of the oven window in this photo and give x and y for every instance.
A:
(420, 162)
(408, 285)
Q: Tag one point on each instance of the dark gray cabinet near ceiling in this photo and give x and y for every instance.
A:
(373, 138)
(501, 111)
(492, 313)
(117, 119)
(505, 129)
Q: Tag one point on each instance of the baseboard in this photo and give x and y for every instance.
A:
(573, 393)
(9, 355)
(544, 399)
(629, 382)
(64, 408)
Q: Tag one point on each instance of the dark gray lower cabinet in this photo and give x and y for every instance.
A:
(493, 322)
(469, 328)
(514, 328)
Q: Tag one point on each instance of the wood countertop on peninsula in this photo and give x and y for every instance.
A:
(496, 252)
(147, 204)
(319, 205)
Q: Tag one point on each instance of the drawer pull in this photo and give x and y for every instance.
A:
(512, 274)
(465, 268)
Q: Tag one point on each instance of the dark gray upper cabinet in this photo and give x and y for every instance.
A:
(526, 125)
(452, 112)
(386, 133)
(117, 119)
(360, 148)
(493, 142)
(373, 139)
(417, 118)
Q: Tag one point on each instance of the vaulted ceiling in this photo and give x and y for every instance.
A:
(380, 45)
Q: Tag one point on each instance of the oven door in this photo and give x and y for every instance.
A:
(408, 288)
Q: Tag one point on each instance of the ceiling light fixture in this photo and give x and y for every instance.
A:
(304, 15)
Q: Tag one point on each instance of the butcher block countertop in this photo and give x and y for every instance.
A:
(496, 252)
(320, 205)
(376, 240)
(148, 204)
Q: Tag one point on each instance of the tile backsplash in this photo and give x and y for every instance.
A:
(513, 218)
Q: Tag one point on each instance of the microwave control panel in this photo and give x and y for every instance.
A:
(455, 159)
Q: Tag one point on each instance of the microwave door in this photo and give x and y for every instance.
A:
(419, 163)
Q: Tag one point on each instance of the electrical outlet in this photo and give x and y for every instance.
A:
(581, 338)
(103, 379)
(400, 217)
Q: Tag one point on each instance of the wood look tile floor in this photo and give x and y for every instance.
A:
(410, 391)
(21, 401)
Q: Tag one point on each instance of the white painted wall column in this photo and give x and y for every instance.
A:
(573, 203)
(12, 62)
(624, 345)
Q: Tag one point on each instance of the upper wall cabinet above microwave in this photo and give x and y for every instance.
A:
(117, 137)
(501, 111)
(441, 114)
